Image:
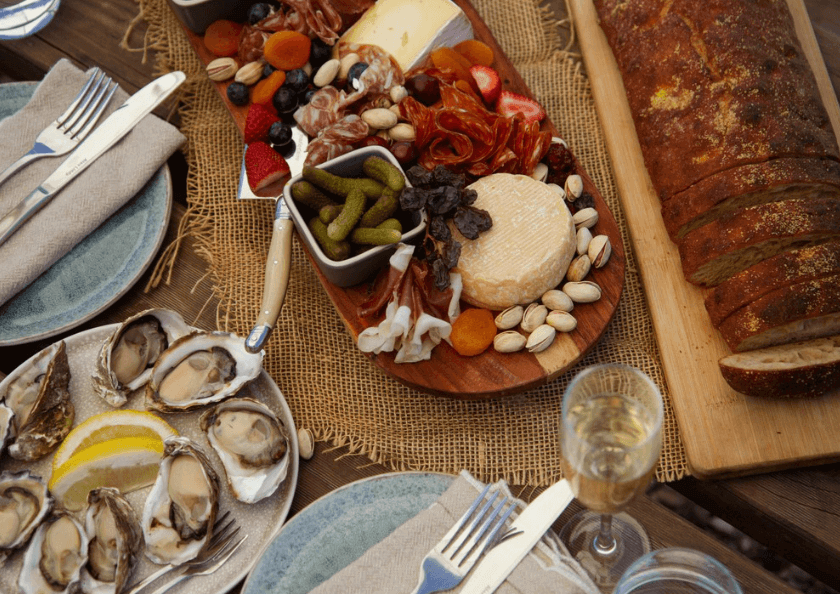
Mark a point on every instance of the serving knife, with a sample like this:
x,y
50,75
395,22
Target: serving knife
x,y
117,125
533,522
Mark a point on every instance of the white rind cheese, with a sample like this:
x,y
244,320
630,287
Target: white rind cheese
x,y
410,29
528,249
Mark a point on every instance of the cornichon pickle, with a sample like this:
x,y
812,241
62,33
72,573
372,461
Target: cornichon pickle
x,y
354,206
368,236
328,213
390,224
342,186
383,208
384,171
306,193
335,250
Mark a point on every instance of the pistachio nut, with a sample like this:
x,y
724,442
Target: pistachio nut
x,y
398,93
558,140
221,69
306,443
345,64
560,191
584,236
541,338
533,316
585,217
402,132
379,118
249,74
582,291
540,172
557,300
509,341
599,250
326,73
574,187
510,317
562,321
579,268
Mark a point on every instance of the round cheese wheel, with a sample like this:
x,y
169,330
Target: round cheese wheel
x,y
528,249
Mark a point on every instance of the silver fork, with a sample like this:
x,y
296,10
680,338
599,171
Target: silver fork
x,y
71,127
222,535
206,568
446,565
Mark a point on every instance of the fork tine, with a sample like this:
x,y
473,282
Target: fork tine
x,y
214,547
486,541
94,111
82,108
72,107
456,530
473,526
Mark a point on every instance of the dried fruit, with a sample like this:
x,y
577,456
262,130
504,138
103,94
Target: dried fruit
x,y
448,58
473,331
475,51
222,37
258,121
510,103
265,89
287,50
264,165
488,82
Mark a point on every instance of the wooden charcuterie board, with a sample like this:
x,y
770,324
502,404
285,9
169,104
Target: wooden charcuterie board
x,y
724,433
490,374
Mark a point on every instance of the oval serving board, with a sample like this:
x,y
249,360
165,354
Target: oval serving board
x,y
489,374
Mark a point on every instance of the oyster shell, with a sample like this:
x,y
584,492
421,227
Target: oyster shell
x,y
200,369
54,559
6,415
252,445
127,357
114,541
181,508
24,503
39,397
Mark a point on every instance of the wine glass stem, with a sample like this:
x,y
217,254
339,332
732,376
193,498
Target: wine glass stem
x,y
604,543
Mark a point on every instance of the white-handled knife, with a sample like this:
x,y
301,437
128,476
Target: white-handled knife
x,y
533,522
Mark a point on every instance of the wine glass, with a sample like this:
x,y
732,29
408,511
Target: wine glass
x,y
677,571
611,437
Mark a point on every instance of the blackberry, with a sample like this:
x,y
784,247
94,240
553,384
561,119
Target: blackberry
x,y
238,93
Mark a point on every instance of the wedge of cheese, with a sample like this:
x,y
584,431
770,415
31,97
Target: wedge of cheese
x,y
410,29
528,249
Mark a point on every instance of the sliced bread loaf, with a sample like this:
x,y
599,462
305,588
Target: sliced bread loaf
x,y
800,369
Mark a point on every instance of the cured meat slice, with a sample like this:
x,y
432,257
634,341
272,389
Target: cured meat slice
x,y
336,140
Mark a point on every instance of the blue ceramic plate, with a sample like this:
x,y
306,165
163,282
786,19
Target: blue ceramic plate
x,y
331,533
99,270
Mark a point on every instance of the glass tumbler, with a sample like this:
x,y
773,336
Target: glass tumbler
x,y
677,571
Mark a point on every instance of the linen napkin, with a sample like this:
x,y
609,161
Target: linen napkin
x,y
393,565
87,201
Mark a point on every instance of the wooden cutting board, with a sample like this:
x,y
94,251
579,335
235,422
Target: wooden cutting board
x,y
725,433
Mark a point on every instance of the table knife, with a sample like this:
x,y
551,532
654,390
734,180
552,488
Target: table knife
x,y
117,125
533,522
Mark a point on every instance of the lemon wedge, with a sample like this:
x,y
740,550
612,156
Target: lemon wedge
x,y
116,424
126,463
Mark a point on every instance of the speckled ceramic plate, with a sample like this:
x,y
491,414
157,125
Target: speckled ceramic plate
x,y
260,521
99,270
337,529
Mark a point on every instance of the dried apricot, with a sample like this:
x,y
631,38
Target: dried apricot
x,y
222,37
467,88
446,57
475,51
287,50
264,90
473,331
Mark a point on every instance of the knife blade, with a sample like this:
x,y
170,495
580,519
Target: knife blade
x,y
117,125
534,520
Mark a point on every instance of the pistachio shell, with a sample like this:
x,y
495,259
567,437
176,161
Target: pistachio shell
x,y
540,172
560,191
579,268
583,291
557,300
562,321
221,69
584,236
249,74
533,316
510,317
574,187
509,341
306,444
585,217
541,338
398,93
402,132
599,250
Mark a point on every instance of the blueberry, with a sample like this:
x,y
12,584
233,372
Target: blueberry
x,y
238,93
319,53
297,80
258,12
268,69
285,100
286,150
354,73
307,95
280,133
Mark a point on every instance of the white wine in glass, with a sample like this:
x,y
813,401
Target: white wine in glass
x,y
611,437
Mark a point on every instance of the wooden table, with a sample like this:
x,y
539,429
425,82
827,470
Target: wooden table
x,y
796,513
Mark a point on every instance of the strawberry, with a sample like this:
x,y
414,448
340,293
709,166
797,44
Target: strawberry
x,y
511,103
264,165
488,82
257,122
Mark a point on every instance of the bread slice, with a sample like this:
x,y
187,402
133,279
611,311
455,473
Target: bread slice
x,y
801,311
800,369
740,239
749,185
781,270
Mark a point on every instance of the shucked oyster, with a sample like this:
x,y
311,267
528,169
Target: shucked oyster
x,y
54,559
115,541
38,395
252,445
6,415
200,369
181,508
24,503
126,359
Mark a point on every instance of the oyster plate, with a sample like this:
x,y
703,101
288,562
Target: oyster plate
x,y
260,521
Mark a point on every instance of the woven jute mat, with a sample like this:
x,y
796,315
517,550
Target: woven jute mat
x,y
330,386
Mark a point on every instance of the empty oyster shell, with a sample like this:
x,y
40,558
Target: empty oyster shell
x,y
24,503
114,540
127,357
200,369
54,559
38,395
181,508
6,415
252,445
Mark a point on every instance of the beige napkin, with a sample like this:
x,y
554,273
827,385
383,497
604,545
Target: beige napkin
x,y
83,204
393,565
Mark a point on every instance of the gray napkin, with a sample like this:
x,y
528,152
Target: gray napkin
x,y
393,565
83,204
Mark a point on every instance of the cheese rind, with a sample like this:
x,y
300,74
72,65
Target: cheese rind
x,y
410,29
528,249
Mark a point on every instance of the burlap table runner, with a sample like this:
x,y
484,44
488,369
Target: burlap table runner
x,y
330,386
